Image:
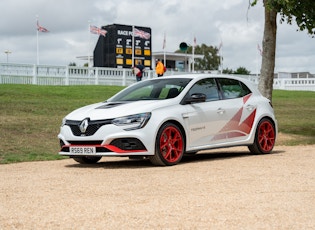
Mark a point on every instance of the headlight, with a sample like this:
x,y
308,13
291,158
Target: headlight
x,y
136,121
63,121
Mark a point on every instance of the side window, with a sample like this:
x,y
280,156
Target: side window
x,y
207,87
233,88
245,90
170,91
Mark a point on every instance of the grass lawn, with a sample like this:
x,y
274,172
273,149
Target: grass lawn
x,y
295,114
31,116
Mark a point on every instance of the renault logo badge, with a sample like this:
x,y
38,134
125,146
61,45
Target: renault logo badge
x,y
84,125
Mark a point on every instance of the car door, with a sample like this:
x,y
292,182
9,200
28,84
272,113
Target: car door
x,y
236,110
203,120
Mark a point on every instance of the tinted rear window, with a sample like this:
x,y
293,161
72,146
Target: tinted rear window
x,y
232,88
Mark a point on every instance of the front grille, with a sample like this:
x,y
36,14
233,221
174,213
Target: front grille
x,y
92,127
86,142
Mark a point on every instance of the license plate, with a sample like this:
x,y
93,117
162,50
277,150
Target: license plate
x,y
83,150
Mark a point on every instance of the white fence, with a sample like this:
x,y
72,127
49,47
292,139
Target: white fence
x,y
64,75
303,84
72,75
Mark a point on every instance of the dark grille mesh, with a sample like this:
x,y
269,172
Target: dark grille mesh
x,y
128,144
86,142
91,129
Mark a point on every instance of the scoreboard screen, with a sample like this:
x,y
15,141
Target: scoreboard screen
x,y
122,45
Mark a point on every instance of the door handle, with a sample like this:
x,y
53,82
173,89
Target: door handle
x,y
250,107
189,114
220,111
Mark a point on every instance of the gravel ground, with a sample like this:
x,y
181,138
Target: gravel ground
x,y
218,189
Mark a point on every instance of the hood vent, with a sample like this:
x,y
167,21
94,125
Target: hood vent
x,y
109,105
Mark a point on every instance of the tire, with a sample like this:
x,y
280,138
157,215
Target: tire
x,y
87,160
169,145
265,137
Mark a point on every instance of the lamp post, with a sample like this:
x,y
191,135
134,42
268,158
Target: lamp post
x,y
7,52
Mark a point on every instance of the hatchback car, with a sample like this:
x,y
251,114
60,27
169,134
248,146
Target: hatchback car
x,y
164,118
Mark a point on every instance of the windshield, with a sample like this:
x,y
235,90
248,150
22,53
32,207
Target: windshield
x,y
155,89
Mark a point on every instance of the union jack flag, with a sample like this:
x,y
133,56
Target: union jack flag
x,y
141,34
96,30
41,29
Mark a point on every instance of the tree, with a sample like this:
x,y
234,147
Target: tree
x,y
303,11
242,70
227,71
211,60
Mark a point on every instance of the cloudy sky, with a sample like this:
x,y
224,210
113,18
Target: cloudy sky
x,y
240,29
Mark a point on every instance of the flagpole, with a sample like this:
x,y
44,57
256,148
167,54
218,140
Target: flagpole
x,y
164,58
89,45
37,46
193,55
164,46
221,56
133,43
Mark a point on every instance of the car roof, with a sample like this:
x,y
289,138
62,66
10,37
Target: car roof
x,y
203,75
198,76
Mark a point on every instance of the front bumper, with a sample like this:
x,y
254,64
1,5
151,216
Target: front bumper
x,y
109,140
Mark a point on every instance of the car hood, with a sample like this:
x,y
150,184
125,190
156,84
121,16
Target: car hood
x,y
109,110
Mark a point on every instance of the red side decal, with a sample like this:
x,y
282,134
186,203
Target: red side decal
x,y
234,128
247,124
245,99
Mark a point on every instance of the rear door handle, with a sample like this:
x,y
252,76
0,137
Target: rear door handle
x,y
250,107
220,111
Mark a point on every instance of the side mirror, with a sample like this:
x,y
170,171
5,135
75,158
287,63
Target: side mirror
x,y
195,98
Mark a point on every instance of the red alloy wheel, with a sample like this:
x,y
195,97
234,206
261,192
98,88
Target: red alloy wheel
x,y
266,136
171,144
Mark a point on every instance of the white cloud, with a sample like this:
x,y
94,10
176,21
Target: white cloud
x,y
211,21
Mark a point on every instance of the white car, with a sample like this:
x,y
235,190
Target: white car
x,y
164,118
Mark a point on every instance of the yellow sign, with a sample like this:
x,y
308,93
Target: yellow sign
x,y
147,62
147,52
128,61
128,51
119,50
119,61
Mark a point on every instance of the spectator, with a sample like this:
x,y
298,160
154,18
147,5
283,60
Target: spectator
x,y
138,71
159,69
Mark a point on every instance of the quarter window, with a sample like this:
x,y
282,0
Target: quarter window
x,y
232,88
